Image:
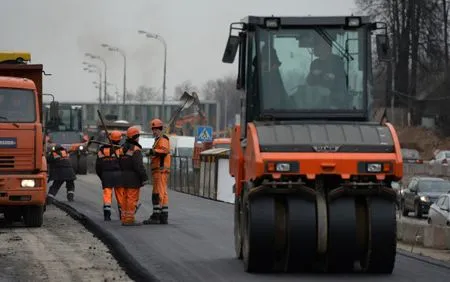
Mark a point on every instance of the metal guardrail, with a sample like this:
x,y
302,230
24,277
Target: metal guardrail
x,y
201,182
437,170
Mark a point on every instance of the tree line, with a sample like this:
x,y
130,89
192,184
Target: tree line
x,y
418,76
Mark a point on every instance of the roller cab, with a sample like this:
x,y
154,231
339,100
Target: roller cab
x,y
312,165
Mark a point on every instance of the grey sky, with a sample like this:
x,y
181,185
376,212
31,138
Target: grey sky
x,y
59,32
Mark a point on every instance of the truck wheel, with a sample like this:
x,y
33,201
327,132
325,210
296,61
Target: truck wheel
x,y
82,165
74,162
12,215
34,216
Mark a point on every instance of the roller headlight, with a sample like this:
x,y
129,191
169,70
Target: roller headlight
x,y
28,183
374,167
282,167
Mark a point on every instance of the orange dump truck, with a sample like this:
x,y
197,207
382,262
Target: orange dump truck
x,y
23,168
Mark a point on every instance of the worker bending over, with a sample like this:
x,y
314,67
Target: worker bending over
x,y
107,167
133,176
160,166
60,171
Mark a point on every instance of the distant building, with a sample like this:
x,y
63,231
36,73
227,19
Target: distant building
x,y
141,114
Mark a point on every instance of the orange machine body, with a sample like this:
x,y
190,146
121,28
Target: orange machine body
x,y
250,164
23,167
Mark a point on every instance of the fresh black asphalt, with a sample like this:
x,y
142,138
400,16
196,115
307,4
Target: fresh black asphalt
x,y
197,244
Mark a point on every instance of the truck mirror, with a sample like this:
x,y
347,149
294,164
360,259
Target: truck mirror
x,y
382,47
231,49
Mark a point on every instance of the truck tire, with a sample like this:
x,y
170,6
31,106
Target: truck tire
x,y
33,216
12,215
74,162
82,165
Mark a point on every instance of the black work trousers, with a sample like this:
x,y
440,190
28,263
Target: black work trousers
x,y
56,185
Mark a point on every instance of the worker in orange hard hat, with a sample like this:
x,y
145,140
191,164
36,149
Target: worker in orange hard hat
x,y
133,176
160,166
107,167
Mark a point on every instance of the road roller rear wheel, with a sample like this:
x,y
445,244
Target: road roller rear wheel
x,y
382,237
301,234
258,246
342,239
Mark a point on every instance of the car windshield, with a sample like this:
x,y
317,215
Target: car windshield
x,y
410,154
311,69
17,105
434,186
60,137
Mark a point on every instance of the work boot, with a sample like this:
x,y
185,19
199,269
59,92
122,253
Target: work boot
x,y
153,219
70,197
164,218
107,215
133,223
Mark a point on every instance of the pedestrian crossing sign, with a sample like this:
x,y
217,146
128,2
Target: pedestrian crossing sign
x,y
204,133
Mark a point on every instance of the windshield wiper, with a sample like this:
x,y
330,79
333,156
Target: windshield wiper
x,y
326,36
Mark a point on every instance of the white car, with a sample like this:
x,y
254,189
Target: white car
x,y
442,158
439,213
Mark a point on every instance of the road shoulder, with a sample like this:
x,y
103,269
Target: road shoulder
x,y
61,250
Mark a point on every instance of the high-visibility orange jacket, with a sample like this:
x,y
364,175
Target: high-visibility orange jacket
x,y
161,154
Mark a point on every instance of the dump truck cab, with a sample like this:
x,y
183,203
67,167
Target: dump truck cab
x,y
23,168
63,125
311,166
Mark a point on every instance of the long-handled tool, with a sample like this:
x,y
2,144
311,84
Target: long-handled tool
x,y
188,100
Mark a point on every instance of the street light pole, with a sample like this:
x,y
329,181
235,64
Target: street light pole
x,y
105,74
121,52
161,39
98,70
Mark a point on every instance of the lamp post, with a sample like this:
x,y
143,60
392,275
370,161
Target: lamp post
x,y
97,70
92,56
121,52
161,39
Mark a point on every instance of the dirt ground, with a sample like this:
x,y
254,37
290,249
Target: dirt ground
x,y
426,141
61,250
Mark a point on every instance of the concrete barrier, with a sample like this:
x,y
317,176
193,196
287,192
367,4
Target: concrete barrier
x,y
429,236
437,237
436,170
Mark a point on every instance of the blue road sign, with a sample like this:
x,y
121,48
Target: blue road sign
x,y
204,133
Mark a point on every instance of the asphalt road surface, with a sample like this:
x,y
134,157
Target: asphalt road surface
x,y
197,245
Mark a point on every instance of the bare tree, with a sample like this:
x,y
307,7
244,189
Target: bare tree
x,y
182,87
145,94
224,91
418,29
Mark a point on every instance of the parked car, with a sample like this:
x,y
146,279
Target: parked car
x,y
411,156
421,193
440,211
442,157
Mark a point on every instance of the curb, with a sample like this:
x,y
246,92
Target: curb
x,y
132,267
425,259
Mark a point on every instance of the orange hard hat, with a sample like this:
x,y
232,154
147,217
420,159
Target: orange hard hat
x,y
132,132
156,123
115,135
